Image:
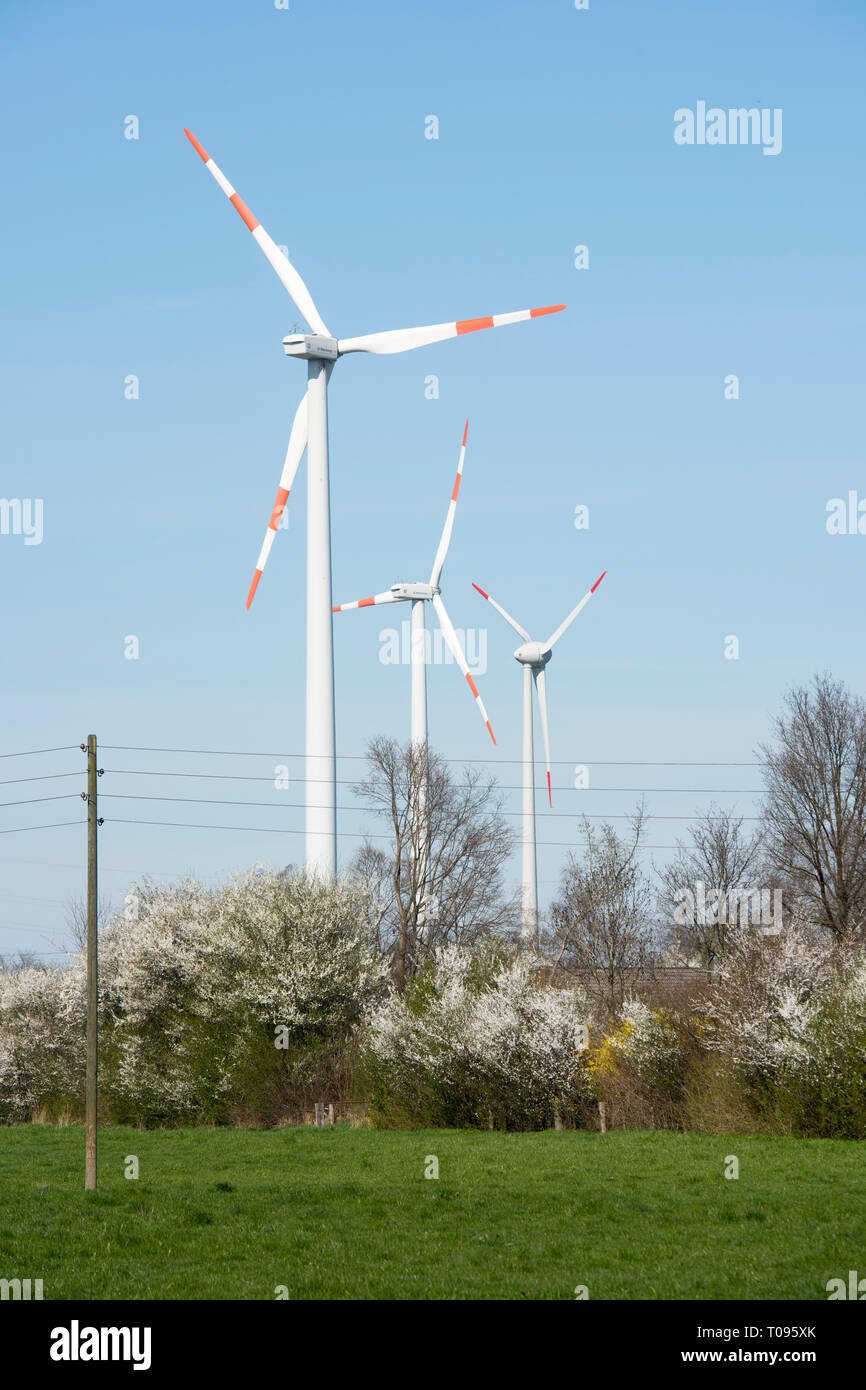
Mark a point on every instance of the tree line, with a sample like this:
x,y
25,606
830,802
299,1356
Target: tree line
x,y
613,915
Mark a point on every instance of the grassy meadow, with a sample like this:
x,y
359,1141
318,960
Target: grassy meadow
x,y
347,1213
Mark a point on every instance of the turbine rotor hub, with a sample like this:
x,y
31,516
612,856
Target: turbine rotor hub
x,y
532,654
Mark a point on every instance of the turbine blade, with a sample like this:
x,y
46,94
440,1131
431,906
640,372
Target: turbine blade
x,y
541,691
456,650
574,612
289,277
294,454
387,597
404,339
445,539
507,616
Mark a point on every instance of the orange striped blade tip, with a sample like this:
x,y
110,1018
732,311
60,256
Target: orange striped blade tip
x,y
549,791
481,591
490,731
489,320
255,584
598,581
465,433
199,149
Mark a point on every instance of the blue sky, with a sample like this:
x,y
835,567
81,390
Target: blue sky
x,y
555,129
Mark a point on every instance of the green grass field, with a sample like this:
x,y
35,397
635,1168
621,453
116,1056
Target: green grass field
x,y
347,1213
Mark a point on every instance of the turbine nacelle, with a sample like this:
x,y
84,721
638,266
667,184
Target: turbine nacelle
x,y
415,591
312,346
533,654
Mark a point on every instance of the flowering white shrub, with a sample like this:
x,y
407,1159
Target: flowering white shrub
x,y
836,1036
196,987
790,1011
296,952
42,1040
481,1045
769,993
151,962
150,974
193,988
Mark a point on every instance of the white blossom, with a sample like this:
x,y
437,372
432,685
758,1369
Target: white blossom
x,y
769,995
511,1034
42,1038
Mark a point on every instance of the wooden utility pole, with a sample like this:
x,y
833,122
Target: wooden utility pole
x,y
90,1101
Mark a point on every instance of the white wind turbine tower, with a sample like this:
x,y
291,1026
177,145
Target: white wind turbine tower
x,y
533,657
310,431
419,594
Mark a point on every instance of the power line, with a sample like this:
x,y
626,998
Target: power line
x,y
24,926
17,829
42,954
31,752
351,834
362,757
350,782
60,864
26,898
299,806
36,800
48,777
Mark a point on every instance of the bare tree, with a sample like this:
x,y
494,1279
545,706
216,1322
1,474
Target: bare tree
x,y
76,919
815,804
373,867
22,960
602,922
719,859
462,838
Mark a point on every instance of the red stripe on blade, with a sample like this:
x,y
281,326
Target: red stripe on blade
x,y
472,686
551,309
490,731
549,792
456,488
481,591
255,584
279,507
598,581
199,149
366,602
240,206
465,433
472,325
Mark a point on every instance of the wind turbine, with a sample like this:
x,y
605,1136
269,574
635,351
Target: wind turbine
x,y
419,594
533,657
310,430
